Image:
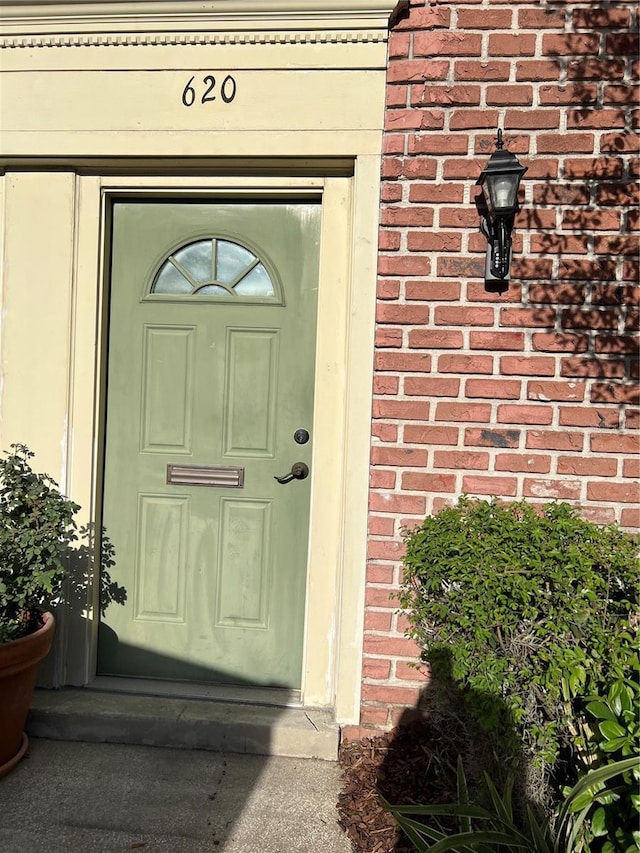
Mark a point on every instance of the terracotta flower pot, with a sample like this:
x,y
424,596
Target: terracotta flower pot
x,y
19,660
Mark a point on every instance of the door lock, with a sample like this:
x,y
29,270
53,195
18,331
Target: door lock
x,y
301,436
299,471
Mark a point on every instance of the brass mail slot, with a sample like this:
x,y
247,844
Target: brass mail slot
x,y
227,477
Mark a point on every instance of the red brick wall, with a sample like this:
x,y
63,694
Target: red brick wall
x,y
532,393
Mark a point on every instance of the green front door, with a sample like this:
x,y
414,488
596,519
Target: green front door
x,y
209,399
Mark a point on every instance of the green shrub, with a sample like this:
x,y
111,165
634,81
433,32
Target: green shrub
x,y
531,607
36,529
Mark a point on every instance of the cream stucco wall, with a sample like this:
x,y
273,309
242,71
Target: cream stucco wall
x,y
91,106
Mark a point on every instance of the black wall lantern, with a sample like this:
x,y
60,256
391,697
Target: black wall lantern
x,y
499,182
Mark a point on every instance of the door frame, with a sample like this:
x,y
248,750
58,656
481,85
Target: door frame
x,y
334,613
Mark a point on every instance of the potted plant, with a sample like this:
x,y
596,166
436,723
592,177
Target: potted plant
x,y
36,529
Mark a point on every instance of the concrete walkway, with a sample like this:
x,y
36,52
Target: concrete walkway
x,y
112,798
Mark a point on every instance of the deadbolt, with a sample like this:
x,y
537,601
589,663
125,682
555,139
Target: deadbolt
x,y
301,436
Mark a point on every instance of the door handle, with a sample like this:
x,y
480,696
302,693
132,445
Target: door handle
x,y
299,471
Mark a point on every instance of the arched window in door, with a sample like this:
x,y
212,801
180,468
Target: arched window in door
x,y
216,267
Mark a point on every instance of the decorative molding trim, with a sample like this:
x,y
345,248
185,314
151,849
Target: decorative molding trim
x,y
148,23
260,8
194,38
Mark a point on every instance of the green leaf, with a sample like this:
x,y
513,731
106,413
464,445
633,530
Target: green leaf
x,y
598,822
576,679
463,795
601,711
449,810
611,729
582,800
465,841
626,698
614,744
502,807
615,698
418,839
538,834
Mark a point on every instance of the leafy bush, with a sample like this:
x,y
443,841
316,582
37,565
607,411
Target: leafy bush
x,y
612,819
36,528
531,607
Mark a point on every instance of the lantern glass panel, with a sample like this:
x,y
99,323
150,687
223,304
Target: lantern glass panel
x,y
501,192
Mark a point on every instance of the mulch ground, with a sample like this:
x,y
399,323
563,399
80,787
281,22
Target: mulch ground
x,y
406,765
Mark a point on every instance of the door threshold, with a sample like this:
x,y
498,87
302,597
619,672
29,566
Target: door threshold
x,y
275,697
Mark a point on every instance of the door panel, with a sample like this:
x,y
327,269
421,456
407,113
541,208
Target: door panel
x,y
202,374
162,535
167,389
251,392
245,549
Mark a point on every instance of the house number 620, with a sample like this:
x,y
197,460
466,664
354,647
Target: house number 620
x,y
208,90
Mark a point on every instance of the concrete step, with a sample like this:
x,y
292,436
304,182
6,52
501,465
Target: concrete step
x,y
98,716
